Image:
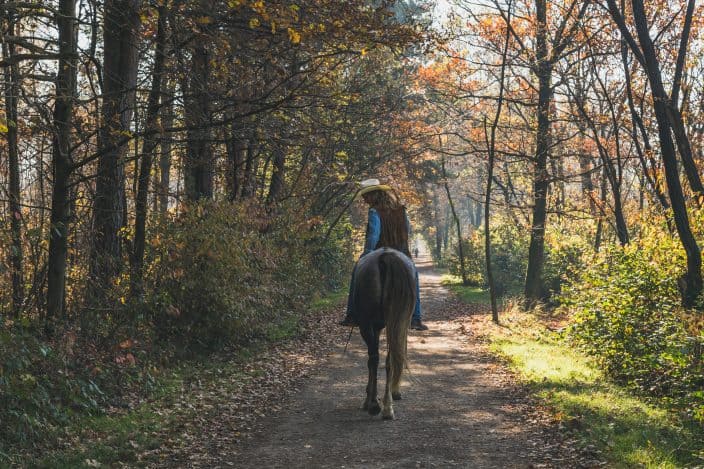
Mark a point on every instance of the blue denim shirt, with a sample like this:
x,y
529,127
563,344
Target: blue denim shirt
x,y
373,231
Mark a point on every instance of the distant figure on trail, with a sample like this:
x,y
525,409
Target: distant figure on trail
x,y
415,253
387,226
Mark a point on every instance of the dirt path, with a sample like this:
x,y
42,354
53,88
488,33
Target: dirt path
x,y
460,408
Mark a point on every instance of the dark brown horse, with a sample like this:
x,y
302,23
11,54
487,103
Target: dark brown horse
x,y
384,295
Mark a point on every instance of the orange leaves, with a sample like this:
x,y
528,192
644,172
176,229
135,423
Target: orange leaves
x,y
444,74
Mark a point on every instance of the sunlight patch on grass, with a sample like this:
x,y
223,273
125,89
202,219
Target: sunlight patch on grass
x,y
628,430
538,361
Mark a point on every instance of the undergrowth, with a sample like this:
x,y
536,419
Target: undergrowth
x,y
135,436
217,278
620,427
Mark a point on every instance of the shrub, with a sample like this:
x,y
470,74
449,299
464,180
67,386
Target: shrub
x,y
219,275
626,312
475,266
565,259
509,246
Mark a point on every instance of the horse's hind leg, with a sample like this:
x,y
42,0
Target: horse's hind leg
x,y
388,409
396,391
371,337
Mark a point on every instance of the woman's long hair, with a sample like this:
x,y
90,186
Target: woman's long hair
x,y
394,231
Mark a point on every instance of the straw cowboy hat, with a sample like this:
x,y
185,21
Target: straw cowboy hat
x,y
371,185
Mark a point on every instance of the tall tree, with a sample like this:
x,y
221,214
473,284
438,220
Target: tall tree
x,y
61,161
455,217
664,113
121,24
549,49
12,77
165,142
149,145
490,137
199,164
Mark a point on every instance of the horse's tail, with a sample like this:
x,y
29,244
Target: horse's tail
x,y
397,303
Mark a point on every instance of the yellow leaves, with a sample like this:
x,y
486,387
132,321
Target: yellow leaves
x,y
294,36
233,4
3,127
259,7
254,23
204,20
294,11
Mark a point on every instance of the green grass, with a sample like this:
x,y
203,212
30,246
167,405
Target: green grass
x,y
329,300
468,294
108,439
629,431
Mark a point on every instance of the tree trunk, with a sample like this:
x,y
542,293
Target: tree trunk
x,y
276,186
693,278
121,36
438,226
15,211
167,121
674,113
236,149
600,223
61,162
250,171
199,165
460,248
151,140
534,290
491,154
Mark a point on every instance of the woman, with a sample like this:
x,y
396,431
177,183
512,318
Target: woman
x,y
387,226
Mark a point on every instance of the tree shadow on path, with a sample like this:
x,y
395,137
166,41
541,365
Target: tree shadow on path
x,y
460,408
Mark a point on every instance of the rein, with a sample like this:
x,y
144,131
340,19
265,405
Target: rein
x,y
344,352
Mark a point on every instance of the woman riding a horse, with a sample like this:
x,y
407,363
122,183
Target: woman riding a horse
x,y
384,293
387,226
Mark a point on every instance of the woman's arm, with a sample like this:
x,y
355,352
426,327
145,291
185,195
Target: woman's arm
x,y
373,231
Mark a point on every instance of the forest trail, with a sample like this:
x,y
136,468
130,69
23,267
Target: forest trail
x,y
460,408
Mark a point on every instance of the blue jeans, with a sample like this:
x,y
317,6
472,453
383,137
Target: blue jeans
x,y
416,312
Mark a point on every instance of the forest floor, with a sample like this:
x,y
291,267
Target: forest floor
x,y
461,407
294,402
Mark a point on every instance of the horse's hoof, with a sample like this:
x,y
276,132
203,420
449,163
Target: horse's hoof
x,y
396,396
374,408
389,416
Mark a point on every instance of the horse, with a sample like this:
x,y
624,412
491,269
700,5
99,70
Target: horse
x,y
384,295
